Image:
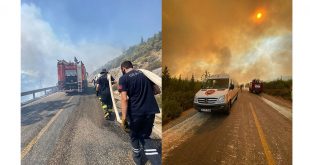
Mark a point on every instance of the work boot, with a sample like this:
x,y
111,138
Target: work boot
x,y
104,107
106,115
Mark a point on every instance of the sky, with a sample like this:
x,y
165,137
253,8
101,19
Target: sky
x,y
93,31
246,39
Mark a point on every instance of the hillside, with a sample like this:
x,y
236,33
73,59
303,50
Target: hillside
x,y
146,55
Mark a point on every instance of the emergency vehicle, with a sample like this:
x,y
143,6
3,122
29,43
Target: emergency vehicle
x,y
256,86
72,76
218,93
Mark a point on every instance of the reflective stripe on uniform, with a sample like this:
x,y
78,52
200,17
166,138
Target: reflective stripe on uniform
x,y
136,150
151,153
104,106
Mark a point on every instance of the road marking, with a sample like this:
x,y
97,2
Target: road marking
x,y
36,138
261,134
281,109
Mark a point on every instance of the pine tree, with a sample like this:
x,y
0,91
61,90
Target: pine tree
x,y
205,75
142,41
166,77
192,82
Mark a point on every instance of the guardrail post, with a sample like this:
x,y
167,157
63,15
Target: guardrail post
x,y
33,92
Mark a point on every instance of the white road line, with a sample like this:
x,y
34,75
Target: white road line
x,y
281,109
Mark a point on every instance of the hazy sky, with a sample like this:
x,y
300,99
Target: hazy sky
x,y
93,31
228,37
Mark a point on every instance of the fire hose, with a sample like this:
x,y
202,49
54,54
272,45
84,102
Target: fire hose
x,y
150,75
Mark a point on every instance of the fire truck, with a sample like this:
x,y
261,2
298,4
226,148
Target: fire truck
x,y
72,76
256,86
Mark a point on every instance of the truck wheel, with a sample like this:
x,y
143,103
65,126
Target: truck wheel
x,y
227,112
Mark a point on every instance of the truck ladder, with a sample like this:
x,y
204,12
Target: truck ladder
x,y
80,89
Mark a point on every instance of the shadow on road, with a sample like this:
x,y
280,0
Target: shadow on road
x,y
87,91
216,119
37,112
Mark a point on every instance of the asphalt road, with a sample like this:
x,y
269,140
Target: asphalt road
x,y
253,133
71,129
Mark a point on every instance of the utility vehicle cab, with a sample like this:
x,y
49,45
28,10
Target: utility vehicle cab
x,y
218,93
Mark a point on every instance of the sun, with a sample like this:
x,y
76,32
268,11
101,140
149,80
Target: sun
x,y
259,15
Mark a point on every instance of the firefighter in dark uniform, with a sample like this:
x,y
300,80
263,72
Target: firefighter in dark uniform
x,y
139,109
105,94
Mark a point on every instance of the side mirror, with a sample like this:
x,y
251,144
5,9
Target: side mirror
x,y
231,86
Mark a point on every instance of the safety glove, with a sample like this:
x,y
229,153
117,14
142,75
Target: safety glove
x,y
125,125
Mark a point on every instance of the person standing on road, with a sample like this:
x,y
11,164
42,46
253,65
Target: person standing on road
x,y
104,88
94,82
140,108
97,86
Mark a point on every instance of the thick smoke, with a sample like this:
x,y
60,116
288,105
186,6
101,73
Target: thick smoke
x,y
225,37
40,49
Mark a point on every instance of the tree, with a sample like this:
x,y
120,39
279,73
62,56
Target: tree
x,y
205,75
192,82
166,77
166,74
142,41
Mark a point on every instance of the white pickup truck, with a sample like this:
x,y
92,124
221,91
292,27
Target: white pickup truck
x,y
218,93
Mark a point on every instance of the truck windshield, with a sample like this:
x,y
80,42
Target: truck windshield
x,y
70,72
216,84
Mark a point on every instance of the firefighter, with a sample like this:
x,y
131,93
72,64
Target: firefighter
x,y
94,82
139,109
105,95
97,86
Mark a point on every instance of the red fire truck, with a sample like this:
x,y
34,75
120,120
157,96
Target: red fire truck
x,y
72,76
256,86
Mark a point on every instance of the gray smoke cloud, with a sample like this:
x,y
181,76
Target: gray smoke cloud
x,y
40,49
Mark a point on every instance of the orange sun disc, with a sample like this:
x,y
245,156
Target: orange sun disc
x,y
259,15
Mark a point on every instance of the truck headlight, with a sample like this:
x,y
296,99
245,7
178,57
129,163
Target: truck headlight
x,y
195,100
221,99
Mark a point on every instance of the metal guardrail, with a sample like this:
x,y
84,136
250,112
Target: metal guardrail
x,y
33,92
